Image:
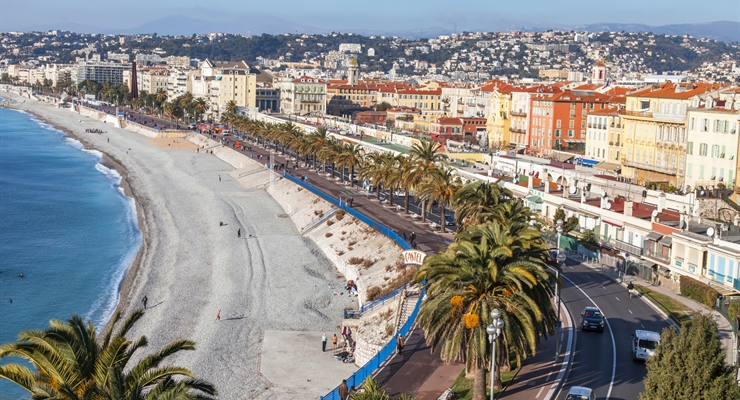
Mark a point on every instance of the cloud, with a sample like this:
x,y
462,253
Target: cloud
x,y
449,17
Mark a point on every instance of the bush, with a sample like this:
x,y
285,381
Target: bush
x,y
698,291
373,293
367,263
330,222
340,214
356,260
328,234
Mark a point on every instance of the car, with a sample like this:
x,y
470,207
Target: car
x,y
450,220
592,319
580,393
191,126
644,344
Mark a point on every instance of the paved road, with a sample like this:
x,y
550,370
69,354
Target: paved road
x,y
603,361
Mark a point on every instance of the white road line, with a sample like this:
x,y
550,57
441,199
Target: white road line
x,y
587,276
548,376
539,392
560,347
602,286
630,311
643,326
616,298
611,333
562,334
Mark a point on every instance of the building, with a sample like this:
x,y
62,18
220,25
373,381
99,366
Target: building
x,y
712,147
302,96
521,98
222,83
498,123
152,80
99,71
371,117
655,131
604,135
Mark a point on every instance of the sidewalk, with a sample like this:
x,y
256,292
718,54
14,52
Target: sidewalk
x,y
724,327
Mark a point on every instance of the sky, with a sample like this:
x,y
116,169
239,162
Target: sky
x,y
372,14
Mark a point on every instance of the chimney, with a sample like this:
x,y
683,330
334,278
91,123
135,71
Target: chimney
x,y
604,201
661,202
628,208
530,182
547,185
583,196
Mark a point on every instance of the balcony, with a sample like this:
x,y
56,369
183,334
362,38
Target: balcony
x,y
642,114
518,130
650,167
628,248
655,256
670,117
518,114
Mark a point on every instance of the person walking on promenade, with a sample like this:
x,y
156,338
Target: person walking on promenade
x,y
219,178
323,343
334,343
403,236
218,316
413,237
239,233
145,300
399,343
343,390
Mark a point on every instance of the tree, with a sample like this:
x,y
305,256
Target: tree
x,y
373,390
425,156
474,202
568,223
690,364
494,265
72,363
383,106
441,185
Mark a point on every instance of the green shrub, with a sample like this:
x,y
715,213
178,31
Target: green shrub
x,y
698,291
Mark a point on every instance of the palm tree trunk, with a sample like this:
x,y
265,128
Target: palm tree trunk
x,y
377,191
406,202
442,217
390,196
424,210
479,384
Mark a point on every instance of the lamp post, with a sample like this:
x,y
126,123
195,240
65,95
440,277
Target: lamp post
x,y
493,330
560,232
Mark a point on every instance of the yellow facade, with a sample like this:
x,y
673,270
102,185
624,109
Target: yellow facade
x,y
238,86
498,123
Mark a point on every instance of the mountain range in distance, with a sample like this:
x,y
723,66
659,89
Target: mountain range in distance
x,y
177,25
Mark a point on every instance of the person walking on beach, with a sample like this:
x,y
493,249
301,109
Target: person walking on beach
x,y
323,343
399,343
145,300
334,343
219,178
218,316
343,390
239,233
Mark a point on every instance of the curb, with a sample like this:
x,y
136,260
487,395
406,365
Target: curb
x,y
568,357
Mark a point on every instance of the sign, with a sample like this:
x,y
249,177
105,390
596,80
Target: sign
x,y
413,257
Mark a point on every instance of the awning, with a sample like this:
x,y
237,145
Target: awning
x,y
586,162
666,241
617,224
562,157
606,166
654,236
574,141
535,199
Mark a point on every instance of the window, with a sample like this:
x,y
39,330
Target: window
x,y
557,132
557,124
571,133
688,170
701,171
703,149
583,123
690,148
583,114
572,113
644,105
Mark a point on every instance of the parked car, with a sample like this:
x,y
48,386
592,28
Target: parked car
x,y
644,344
450,220
592,319
580,393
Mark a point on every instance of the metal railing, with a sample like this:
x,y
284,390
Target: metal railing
x,y
377,302
629,248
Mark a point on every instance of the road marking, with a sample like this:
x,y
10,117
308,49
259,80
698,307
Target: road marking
x,y
562,334
539,392
560,347
587,276
602,286
630,311
616,298
611,333
548,376
643,326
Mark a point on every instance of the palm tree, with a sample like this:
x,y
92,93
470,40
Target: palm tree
x,y
474,202
72,364
231,107
351,157
494,266
317,139
441,184
425,156
373,390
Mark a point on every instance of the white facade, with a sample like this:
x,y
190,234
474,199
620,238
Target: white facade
x,y
711,148
597,137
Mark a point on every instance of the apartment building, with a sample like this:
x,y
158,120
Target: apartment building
x,y
604,135
498,123
711,147
302,96
99,71
223,82
520,113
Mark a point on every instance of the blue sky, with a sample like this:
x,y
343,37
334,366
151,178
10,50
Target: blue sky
x,y
369,14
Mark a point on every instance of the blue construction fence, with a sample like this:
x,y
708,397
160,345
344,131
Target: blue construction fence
x,y
371,366
351,211
359,376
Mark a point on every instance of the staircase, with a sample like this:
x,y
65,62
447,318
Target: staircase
x,y
406,307
731,203
319,220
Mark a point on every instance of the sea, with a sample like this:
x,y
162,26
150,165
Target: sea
x,y
67,232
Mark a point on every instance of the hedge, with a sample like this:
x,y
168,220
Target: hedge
x,y
699,291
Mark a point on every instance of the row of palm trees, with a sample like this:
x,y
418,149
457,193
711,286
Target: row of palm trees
x,y
72,363
498,259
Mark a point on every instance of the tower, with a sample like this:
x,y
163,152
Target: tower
x,y
134,82
599,73
353,72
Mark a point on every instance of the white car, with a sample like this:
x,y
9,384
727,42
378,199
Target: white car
x,y
580,393
644,344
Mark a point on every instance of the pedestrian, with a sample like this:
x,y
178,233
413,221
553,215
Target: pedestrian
x,y
219,178
351,199
399,343
340,200
334,343
323,343
218,316
404,237
344,333
239,233
413,236
145,300
343,390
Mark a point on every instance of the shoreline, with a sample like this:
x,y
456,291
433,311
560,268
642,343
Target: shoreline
x,y
125,286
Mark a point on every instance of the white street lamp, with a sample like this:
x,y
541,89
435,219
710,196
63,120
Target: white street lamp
x,y
493,330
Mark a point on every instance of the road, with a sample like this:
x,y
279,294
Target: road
x,y
603,361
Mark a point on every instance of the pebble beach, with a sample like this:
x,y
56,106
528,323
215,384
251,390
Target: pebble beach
x,y
190,266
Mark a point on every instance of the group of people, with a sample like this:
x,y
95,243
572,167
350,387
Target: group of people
x,y
343,348
351,288
98,131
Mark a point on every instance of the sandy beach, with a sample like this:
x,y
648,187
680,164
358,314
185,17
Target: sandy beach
x,y
190,267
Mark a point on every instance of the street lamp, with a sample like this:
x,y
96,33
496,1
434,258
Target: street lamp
x,y
560,232
493,330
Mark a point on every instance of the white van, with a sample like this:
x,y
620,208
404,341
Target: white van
x,y
644,344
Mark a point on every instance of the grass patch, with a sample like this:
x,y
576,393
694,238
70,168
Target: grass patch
x,y
673,308
464,386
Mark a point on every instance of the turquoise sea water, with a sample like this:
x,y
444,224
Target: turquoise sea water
x,y
64,224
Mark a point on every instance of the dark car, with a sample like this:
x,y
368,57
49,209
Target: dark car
x,y
592,319
449,220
